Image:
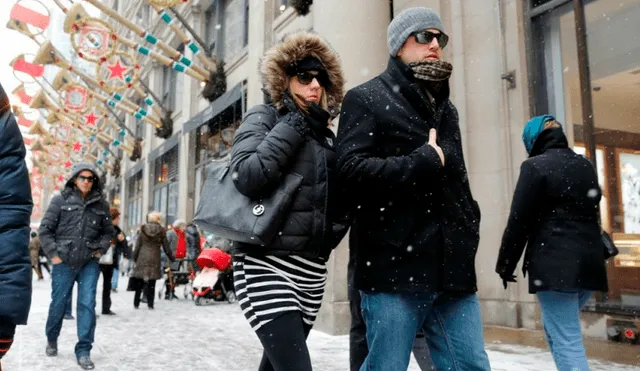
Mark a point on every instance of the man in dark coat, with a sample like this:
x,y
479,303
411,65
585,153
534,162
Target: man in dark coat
x,y
75,231
15,212
416,226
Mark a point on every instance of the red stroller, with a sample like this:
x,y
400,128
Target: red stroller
x,y
214,283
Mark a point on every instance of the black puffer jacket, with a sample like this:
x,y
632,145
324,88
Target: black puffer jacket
x,y
271,143
74,228
554,213
416,225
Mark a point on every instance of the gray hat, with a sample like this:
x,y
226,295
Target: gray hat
x,y
409,21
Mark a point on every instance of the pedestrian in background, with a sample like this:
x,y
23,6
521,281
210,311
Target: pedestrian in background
x,y
75,231
15,213
146,256
34,251
121,249
555,215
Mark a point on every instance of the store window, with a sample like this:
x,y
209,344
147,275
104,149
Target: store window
x,y
134,202
613,59
165,189
213,142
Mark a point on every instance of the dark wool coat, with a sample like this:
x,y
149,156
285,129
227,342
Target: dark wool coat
x,y
269,145
416,225
554,213
73,228
146,255
15,212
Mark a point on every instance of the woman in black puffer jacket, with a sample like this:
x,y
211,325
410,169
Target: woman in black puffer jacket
x,y
280,286
555,214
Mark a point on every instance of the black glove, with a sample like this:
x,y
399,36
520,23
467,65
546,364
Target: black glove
x,y
318,118
294,117
506,279
288,102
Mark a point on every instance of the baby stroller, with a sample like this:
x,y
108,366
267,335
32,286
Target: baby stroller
x,y
178,273
214,283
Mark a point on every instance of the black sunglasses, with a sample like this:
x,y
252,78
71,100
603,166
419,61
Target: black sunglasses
x,y
306,77
426,37
89,179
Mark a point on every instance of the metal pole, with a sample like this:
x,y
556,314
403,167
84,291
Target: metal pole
x,y
193,32
157,100
585,81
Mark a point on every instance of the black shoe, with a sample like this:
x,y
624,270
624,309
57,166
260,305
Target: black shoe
x,y
150,308
86,363
69,316
136,307
109,313
143,300
52,348
114,290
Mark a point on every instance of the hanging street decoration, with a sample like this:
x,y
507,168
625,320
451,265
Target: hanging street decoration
x,y
75,98
32,15
92,38
118,72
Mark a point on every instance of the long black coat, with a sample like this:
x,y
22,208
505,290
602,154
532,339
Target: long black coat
x,y
73,228
15,212
554,213
416,224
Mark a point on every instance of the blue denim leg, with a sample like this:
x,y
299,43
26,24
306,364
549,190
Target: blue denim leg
x,y
68,309
114,279
86,308
561,320
62,277
454,333
392,321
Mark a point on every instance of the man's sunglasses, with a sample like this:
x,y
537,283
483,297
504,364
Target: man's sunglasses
x,y
426,37
89,179
305,78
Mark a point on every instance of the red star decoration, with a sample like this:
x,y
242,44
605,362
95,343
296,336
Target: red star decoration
x,y
77,146
56,188
91,118
61,178
68,164
117,70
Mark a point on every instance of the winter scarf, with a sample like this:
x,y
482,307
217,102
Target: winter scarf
x,y
431,70
532,130
181,248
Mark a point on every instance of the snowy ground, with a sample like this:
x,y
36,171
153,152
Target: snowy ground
x,y
180,336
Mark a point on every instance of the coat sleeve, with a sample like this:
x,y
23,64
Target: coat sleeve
x,y
107,233
358,162
260,155
136,249
15,211
521,218
48,226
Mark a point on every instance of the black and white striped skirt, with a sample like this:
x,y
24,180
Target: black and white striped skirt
x,y
267,286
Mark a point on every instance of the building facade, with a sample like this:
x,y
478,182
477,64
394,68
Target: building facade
x,y
512,59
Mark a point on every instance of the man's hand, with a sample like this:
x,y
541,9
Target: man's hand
x,y
56,260
432,142
97,255
120,237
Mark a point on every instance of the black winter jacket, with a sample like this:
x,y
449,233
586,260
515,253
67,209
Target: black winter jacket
x,y
416,225
15,212
74,228
554,213
267,146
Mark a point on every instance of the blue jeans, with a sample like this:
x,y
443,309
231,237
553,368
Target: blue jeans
x,y
68,309
62,280
561,320
451,323
114,279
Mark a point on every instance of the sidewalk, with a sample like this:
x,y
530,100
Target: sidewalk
x,y
180,336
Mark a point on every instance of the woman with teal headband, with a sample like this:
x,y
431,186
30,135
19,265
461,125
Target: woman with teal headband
x,y
554,213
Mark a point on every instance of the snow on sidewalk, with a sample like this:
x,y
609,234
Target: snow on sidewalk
x,y
177,335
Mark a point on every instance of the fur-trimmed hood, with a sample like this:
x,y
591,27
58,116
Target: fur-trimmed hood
x,y
293,48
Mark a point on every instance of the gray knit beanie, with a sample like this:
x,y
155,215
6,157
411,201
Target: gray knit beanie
x,y
409,21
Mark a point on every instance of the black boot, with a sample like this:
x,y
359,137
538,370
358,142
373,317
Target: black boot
x,y
52,348
86,363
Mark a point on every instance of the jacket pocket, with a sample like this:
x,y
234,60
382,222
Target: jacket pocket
x,y
63,249
394,229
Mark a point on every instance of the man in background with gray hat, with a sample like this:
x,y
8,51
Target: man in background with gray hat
x,y
416,227
75,231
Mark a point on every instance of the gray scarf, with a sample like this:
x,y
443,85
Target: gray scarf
x,y
431,70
